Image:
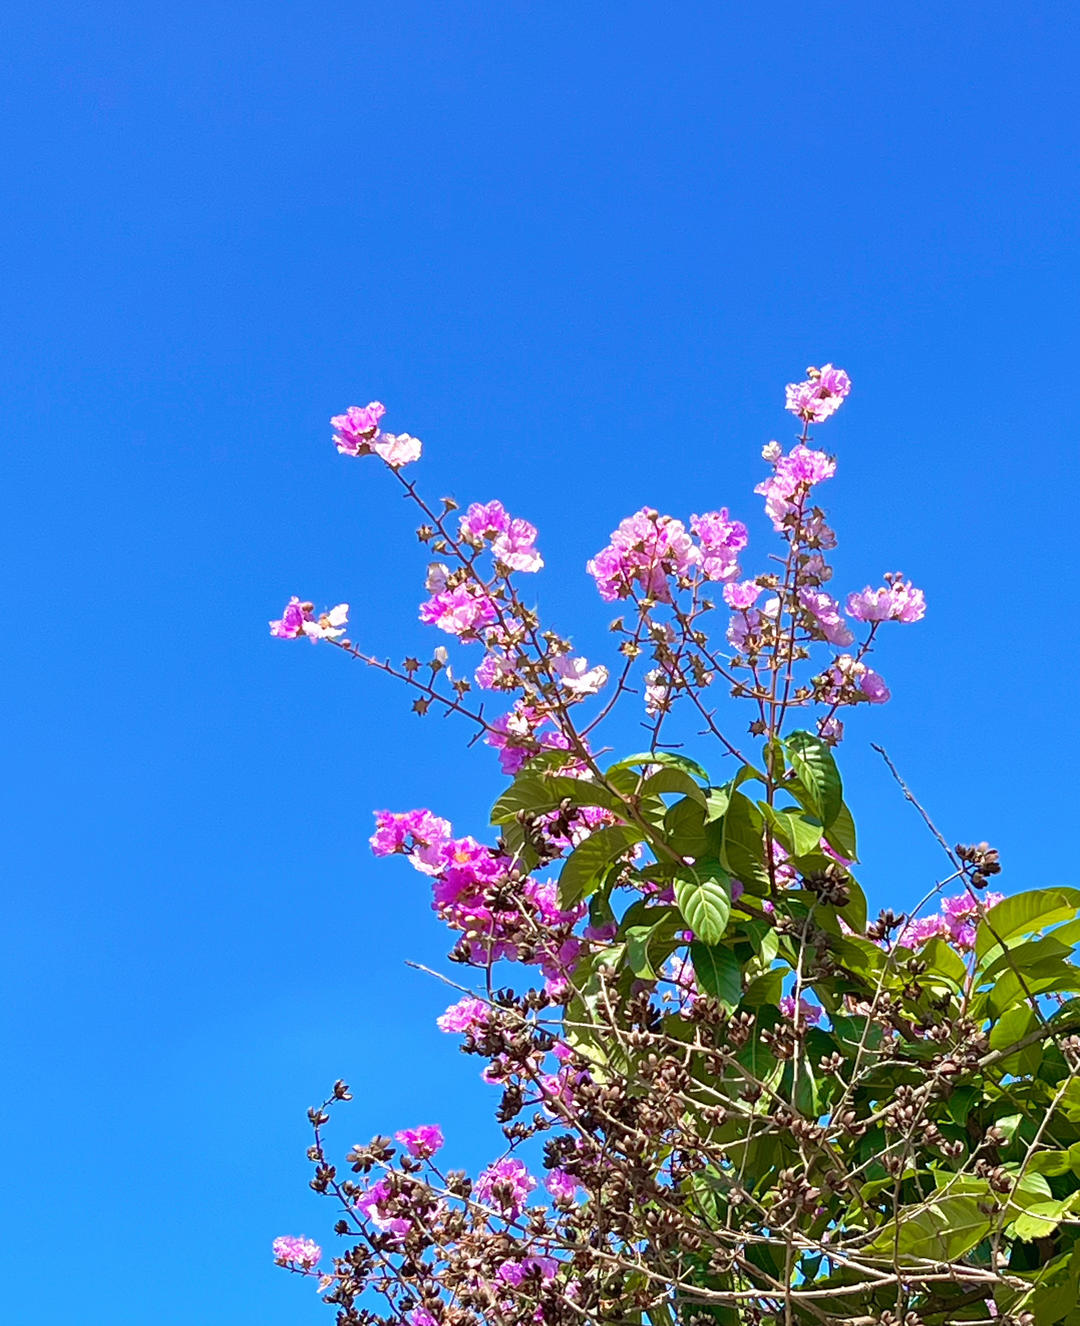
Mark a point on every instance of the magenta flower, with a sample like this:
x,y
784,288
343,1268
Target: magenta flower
x,y
512,540
644,552
807,1012
562,1186
515,1272
421,1142
424,837
897,601
721,540
873,687
820,396
357,428
505,1185
290,1251
788,487
468,1015
299,619
742,594
826,613
459,611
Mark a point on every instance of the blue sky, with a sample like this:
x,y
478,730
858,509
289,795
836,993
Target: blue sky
x,y
578,248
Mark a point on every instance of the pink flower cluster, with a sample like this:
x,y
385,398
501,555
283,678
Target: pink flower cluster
x,y
648,550
897,601
849,680
373,1204
462,611
787,489
468,1016
562,1186
468,892
505,1185
807,1013
520,734
825,612
955,922
289,1250
513,541
357,433
820,395
421,1142
299,619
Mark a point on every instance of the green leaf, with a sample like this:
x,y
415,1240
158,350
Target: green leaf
x,y
539,794
717,971
743,849
684,828
649,944
1042,1218
813,762
703,893
1023,913
799,835
672,780
943,1230
840,835
585,865
665,757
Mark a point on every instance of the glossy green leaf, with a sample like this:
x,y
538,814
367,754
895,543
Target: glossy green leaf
x,y
589,861
813,762
743,846
703,894
717,970
1024,913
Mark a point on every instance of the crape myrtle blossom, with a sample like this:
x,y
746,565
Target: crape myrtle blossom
x,y
743,594
955,922
849,681
807,1013
421,1142
298,619
517,736
505,1185
788,487
289,1250
897,601
825,611
577,677
512,540
648,550
468,1016
820,395
461,611
562,1186
357,433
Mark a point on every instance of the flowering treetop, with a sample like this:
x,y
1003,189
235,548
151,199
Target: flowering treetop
x,y
750,1101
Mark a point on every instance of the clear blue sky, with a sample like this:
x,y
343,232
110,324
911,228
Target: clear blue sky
x,y
577,248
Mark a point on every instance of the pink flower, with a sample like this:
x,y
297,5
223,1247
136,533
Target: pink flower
x,y
468,1016
422,835
820,395
807,1012
421,1142
512,540
421,1317
721,539
505,1185
897,601
459,611
787,488
299,1251
562,1186
644,552
873,687
517,737
742,594
515,1272
373,1204
484,520
397,449
577,677
299,619
826,613
357,428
